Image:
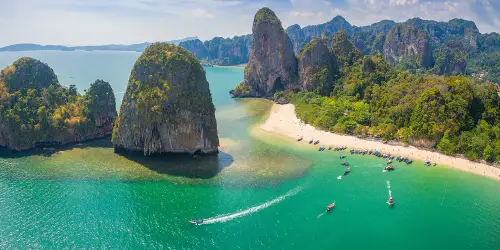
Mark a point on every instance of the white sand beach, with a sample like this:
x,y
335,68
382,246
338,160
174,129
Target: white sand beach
x,y
283,120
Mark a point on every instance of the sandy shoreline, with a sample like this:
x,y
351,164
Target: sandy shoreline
x,y
283,121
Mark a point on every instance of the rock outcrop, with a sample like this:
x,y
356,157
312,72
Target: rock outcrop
x,y
36,111
167,107
297,37
451,59
408,44
344,50
317,68
273,65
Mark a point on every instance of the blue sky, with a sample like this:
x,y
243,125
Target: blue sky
x,y
91,22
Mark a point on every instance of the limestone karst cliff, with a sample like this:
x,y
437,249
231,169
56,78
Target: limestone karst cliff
x,y
167,107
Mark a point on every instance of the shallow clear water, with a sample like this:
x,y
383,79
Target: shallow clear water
x,y
261,192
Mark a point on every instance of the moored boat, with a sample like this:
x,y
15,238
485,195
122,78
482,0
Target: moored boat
x,y
300,139
342,156
322,148
316,142
311,141
389,168
345,163
347,171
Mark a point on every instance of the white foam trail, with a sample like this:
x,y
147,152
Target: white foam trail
x,y
228,217
321,214
340,177
389,187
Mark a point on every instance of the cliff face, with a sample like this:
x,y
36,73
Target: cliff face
x,y
167,107
451,59
441,32
297,37
327,29
273,65
317,68
35,110
221,51
198,49
409,43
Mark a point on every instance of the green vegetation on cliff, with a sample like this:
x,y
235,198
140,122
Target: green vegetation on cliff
x,y
267,15
167,106
35,108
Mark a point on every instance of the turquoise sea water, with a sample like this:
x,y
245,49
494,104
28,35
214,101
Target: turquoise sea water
x,y
260,192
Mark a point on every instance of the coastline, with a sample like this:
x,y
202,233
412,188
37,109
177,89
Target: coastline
x,y
283,121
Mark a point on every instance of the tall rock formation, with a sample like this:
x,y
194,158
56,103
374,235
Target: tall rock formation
x,y
408,44
36,111
273,65
167,107
317,68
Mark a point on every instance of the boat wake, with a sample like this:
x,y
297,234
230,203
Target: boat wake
x,y
228,217
319,215
389,187
340,177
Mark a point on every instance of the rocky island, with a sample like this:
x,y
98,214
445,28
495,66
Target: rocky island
x,y
36,111
167,107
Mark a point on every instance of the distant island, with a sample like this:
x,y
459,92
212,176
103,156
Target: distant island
x,y
111,47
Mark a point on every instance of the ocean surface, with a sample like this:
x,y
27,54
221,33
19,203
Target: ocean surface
x,y
260,192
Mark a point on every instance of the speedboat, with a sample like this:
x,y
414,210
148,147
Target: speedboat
x,y
196,222
389,161
390,201
344,163
330,207
342,156
427,163
316,142
347,171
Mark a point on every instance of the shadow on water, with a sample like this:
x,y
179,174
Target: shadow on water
x,y
185,165
50,149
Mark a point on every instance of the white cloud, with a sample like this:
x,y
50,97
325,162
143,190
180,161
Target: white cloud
x,y
201,13
402,2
